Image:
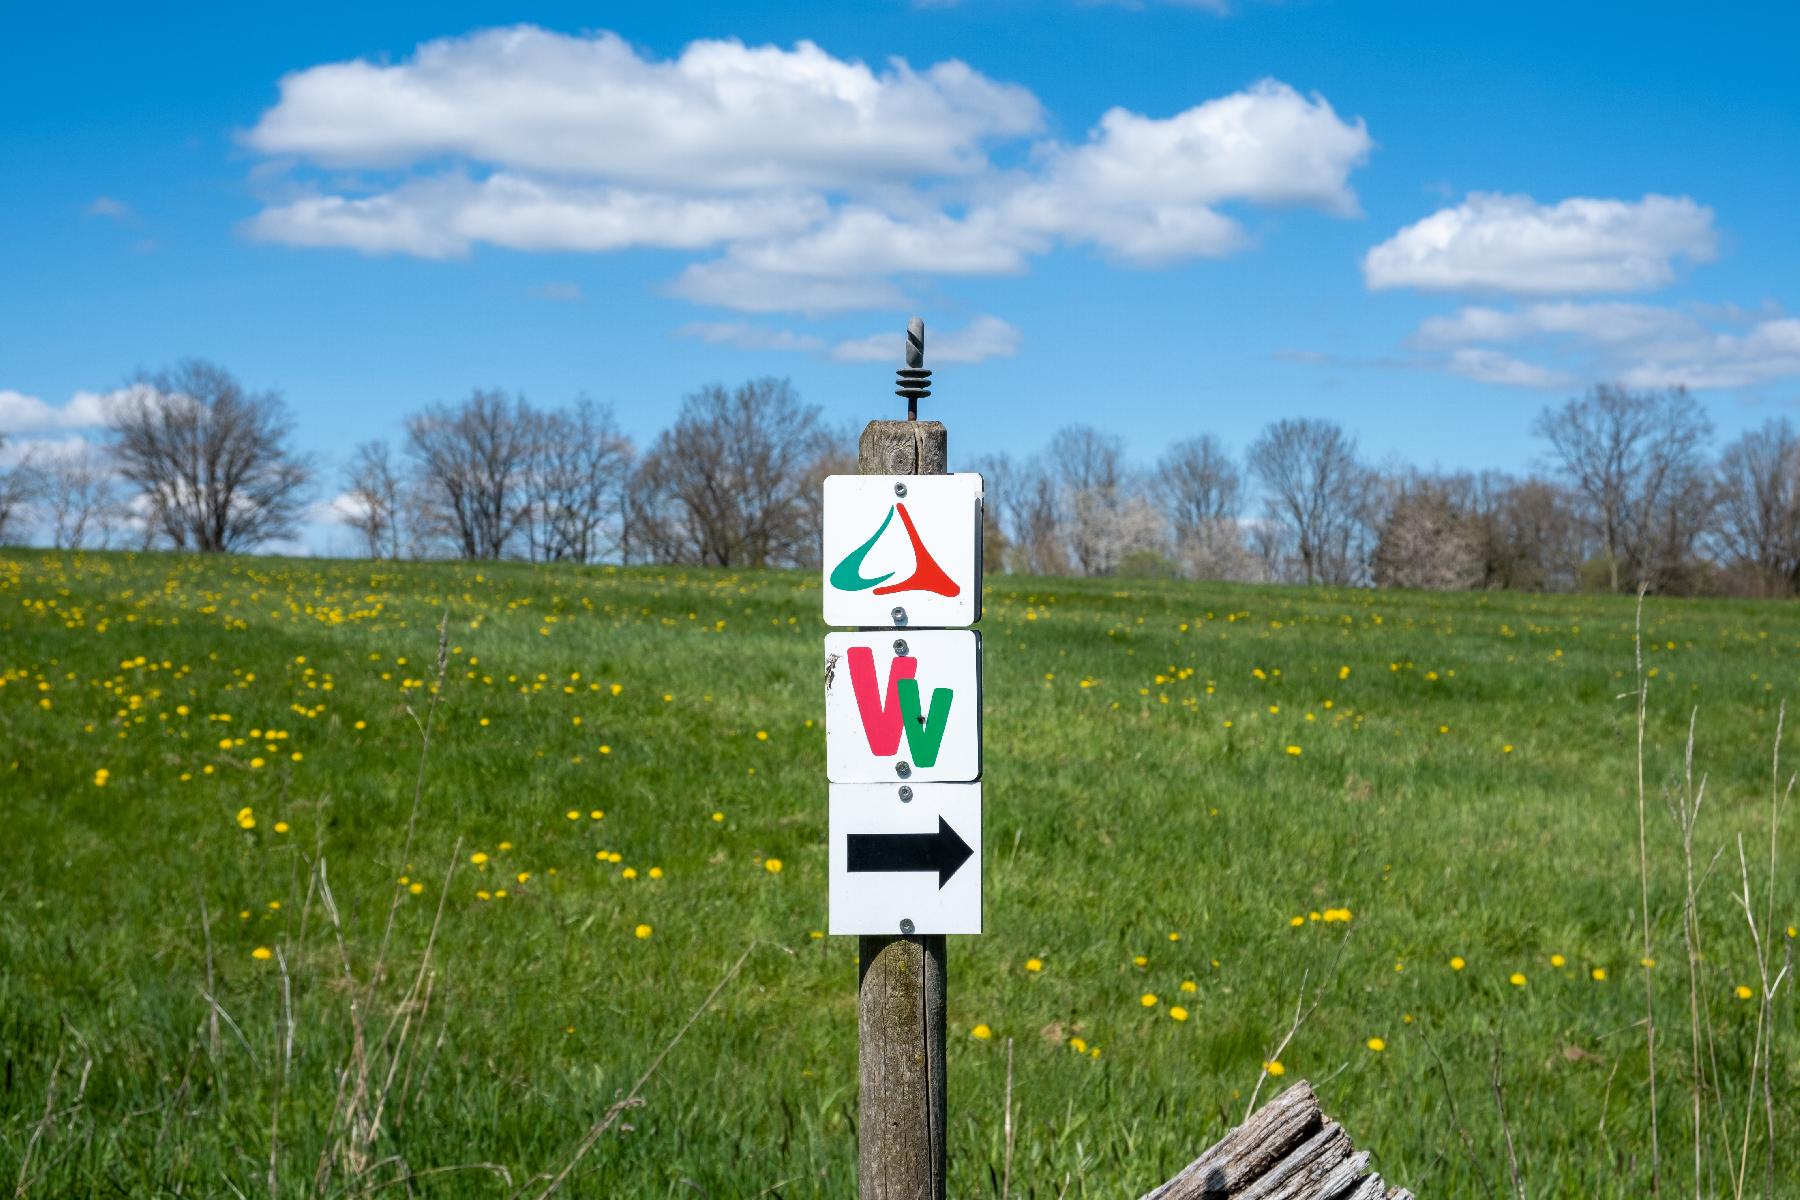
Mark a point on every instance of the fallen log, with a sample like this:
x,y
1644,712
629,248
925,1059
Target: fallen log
x,y
1288,1150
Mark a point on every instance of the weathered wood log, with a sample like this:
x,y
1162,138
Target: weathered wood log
x,y
1288,1150
900,980
903,448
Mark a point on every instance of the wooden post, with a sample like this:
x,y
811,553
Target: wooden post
x,y
900,980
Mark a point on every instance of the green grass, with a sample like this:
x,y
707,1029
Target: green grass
x,y
1159,799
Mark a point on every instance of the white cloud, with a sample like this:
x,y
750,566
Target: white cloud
x,y
816,181
1513,244
721,115
983,338
1495,366
744,336
20,413
106,206
442,217
729,284
1638,345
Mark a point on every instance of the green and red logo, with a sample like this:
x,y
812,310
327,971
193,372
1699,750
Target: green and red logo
x,y
926,575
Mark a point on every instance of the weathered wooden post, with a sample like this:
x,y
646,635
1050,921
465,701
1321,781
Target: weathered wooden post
x,y
904,768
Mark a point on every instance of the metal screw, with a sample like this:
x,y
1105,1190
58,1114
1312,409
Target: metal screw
x,y
900,490
906,925
900,646
899,616
905,794
903,770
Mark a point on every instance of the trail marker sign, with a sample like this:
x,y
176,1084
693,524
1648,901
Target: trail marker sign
x,y
903,706
903,550
905,858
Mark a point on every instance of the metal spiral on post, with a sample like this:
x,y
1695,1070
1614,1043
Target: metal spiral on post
x,y
913,381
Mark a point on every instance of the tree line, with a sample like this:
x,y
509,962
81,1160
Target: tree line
x,y
1630,493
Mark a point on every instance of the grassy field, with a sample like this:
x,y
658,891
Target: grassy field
x,y
223,971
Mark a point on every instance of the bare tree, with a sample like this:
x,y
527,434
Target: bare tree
x,y
579,463
1317,491
472,463
1428,541
837,455
1758,518
729,483
373,491
1202,494
1089,467
1635,459
78,499
212,461
18,486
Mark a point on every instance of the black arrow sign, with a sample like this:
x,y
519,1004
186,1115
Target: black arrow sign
x,y
943,852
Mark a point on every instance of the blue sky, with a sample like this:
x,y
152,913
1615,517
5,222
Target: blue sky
x,y
633,200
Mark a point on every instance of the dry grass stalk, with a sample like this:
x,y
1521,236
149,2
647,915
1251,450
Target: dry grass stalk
x,y
1302,1011
1643,700
632,1099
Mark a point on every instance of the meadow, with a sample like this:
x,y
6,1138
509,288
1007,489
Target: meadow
x,y
283,914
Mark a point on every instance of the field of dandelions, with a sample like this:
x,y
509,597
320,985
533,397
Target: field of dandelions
x,y
348,878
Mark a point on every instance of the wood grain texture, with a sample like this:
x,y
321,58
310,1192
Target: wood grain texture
x,y
1288,1150
903,448
900,980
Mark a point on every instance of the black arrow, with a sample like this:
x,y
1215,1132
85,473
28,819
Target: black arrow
x,y
943,852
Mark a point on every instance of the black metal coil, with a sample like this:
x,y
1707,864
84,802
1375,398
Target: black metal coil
x,y
912,382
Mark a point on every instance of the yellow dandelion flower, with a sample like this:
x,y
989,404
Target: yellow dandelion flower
x,y
256,764
1744,993
1178,1013
656,872
262,954
479,857
1293,751
281,827
1457,963
1174,937
1148,1000
1646,963
415,888
1034,964
1598,974
1296,922
596,815
1275,1068
1140,961
981,1033
1557,960
1376,1044
1078,1045
573,814
1517,979
718,816
642,932
1189,986
762,735
628,873
101,776
772,866
523,876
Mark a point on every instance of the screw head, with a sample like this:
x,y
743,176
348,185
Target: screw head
x,y
900,646
906,925
900,490
903,770
905,794
899,615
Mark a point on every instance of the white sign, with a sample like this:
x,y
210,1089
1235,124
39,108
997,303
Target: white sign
x,y
903,550
903,705
905,858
